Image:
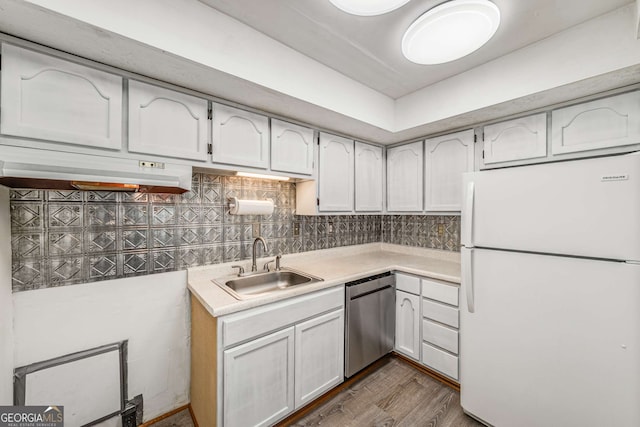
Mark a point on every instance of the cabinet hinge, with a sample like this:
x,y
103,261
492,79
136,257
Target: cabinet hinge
x,y
475,138
210,113
318,201
483,136
482,154
209,148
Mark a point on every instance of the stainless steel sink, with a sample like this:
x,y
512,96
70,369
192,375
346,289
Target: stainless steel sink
x,y
263,283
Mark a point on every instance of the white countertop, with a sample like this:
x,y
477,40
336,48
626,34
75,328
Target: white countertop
x,y
335,266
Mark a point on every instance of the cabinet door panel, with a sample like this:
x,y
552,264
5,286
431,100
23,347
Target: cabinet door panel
x,y
258,380
408,324
167,123
607,122
55,100
518,139
368,177
448,157
239,137
291,148
404,178
335,177
319,356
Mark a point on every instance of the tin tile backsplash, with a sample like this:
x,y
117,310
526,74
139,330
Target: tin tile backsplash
x,y
66,237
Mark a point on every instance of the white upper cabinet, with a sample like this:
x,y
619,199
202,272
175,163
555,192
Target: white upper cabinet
x,y
167,123
603,123
518,139
335,174
239,137
48,98
447,158
404,178
291,148
369,169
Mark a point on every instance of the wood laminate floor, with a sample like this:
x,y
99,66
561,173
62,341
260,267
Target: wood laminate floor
x,y
395,394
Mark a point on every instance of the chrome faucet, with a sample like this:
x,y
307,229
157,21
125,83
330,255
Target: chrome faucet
x,y
254,266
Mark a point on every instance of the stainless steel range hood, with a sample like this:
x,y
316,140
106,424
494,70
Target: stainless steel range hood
x,y
24,167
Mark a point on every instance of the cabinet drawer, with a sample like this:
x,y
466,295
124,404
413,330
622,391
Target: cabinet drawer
x,y
440,360
440,313
440,335
240,327
440,291
408,283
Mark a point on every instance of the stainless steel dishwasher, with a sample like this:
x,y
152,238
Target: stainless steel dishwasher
x,y
369,321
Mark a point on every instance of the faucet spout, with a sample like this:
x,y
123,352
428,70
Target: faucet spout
x,y
254,266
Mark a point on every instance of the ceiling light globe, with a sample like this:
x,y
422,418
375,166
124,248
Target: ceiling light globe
x,y
450,31
368,7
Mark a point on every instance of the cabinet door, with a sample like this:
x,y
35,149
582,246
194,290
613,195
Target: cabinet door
x,y
319,356
291,148
404,178
408,324
448,157
368,177
335,174
607,122
167,123
518,139
258,380
55,100
239,137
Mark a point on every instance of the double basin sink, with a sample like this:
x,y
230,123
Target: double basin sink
x,y
259,284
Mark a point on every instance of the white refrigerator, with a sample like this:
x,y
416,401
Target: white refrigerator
x,y
550,295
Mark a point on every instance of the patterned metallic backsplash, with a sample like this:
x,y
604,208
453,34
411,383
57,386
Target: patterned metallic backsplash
x,y
67,237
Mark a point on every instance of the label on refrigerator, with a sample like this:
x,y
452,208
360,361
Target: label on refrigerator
x,y
618,177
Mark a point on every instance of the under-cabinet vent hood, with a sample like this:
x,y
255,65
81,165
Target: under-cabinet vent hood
x,y
23,167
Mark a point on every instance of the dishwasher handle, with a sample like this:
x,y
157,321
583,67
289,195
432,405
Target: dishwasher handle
x,y
373,291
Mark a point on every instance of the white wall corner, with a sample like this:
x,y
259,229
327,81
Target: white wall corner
x,y
6,302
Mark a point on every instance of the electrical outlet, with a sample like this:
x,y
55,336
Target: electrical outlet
x,y
440,229
256,229
330,228
296,229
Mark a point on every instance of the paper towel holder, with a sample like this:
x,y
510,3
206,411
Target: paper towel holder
x,y
250,207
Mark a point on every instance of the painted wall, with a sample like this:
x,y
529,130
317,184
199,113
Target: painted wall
x,y
152,312
596,47
6,306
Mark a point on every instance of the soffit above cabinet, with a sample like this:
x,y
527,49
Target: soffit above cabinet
x,y
257,71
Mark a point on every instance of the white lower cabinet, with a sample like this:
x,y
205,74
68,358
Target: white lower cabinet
x,y
255,367
258,380
408,324
319,356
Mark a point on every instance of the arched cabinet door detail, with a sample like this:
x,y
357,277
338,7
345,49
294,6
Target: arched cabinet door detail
x,y
167,123
404,177
335,176
519,139
603,123
239,137
55,100
291,148
369,179
408,324
447,158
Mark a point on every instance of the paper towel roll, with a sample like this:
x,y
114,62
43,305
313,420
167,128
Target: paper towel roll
x,y
250,207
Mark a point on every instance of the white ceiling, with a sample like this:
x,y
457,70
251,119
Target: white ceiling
x,y
367,49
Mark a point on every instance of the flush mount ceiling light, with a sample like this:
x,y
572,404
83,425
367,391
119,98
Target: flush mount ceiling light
x,y
368,7
450,31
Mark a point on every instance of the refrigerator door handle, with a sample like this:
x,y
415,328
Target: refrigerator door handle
x,y
467,262
467,217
